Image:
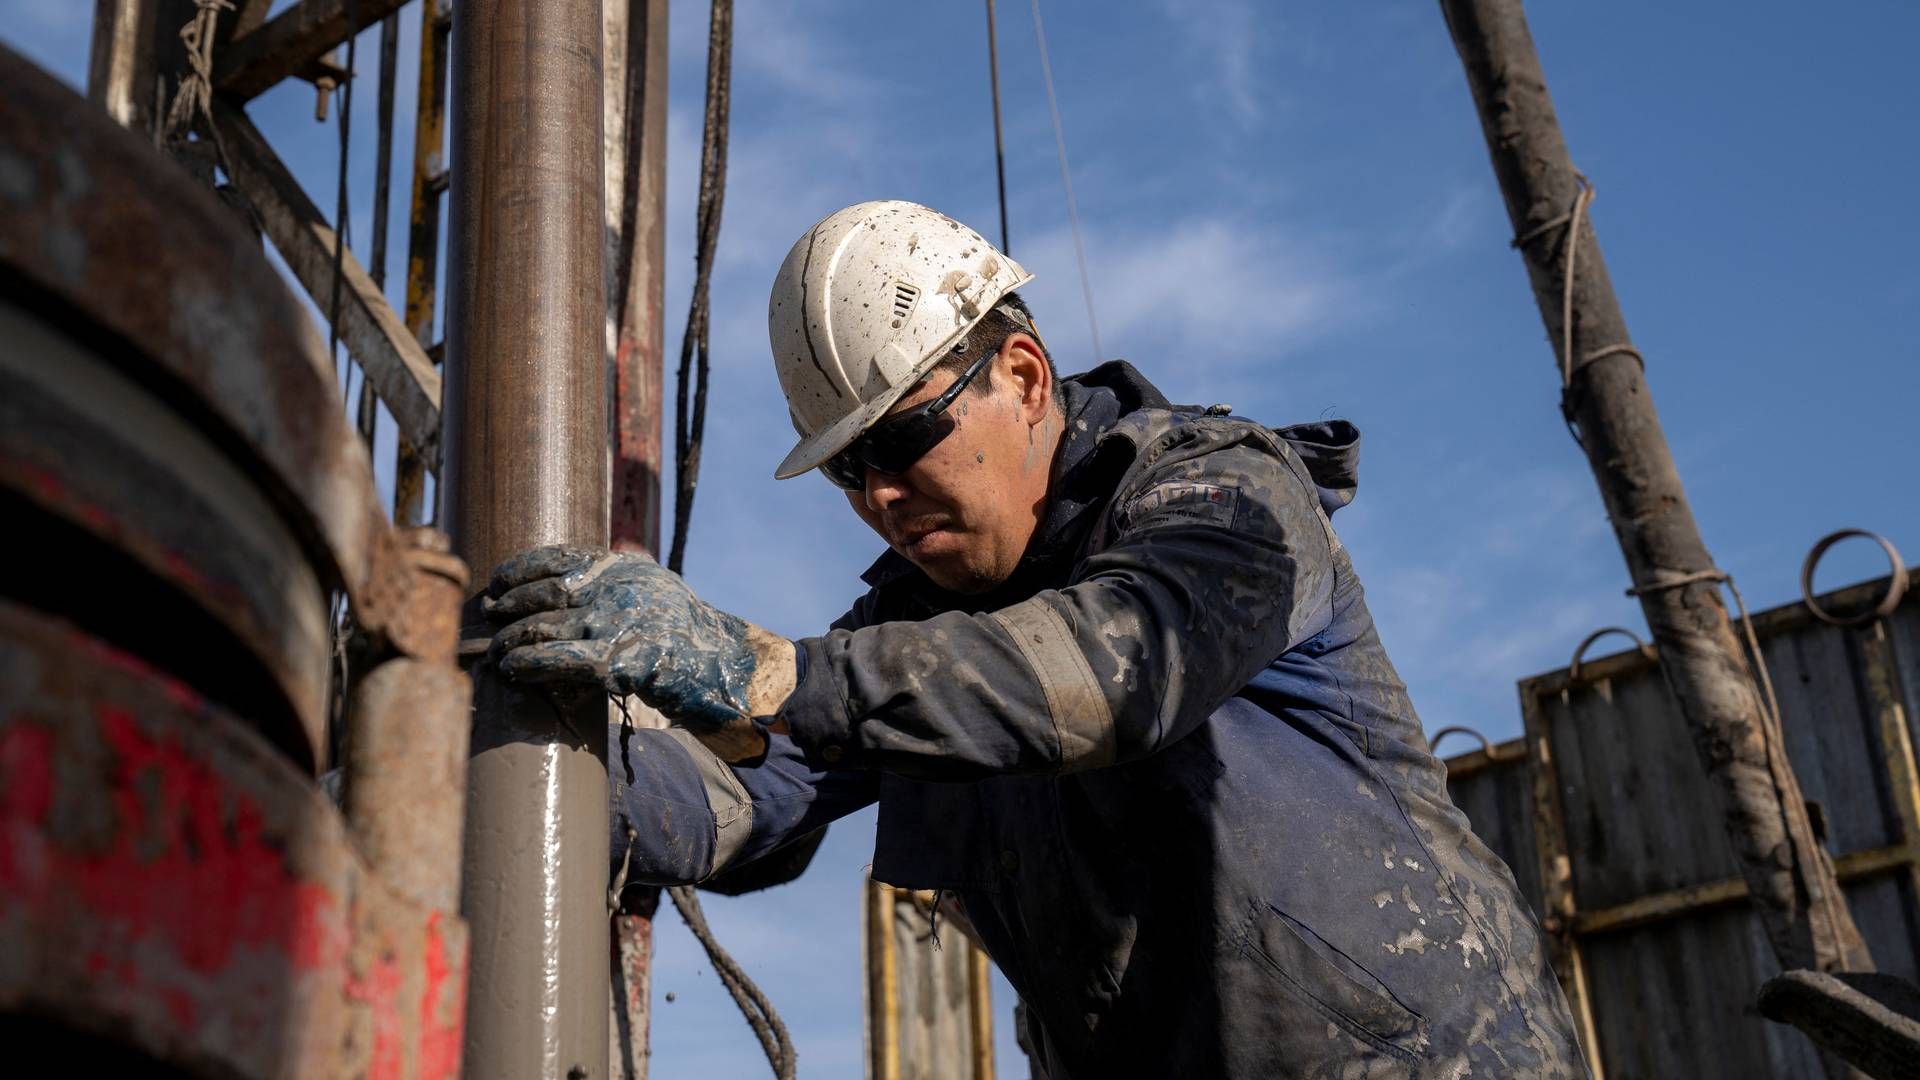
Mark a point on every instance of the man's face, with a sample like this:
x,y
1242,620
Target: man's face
x,y
965,512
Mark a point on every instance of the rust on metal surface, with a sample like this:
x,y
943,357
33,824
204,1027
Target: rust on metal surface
x,y
291,43
92,220
1580,650
632,960
406,786
426,624
95,455
406,767
1896,581
168,881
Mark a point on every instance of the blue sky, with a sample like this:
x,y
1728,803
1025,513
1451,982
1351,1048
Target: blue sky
x,y
1288,207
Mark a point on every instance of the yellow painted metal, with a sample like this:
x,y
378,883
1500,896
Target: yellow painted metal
x,y
1882,685
1676,902
883,990
980,1013
1556,878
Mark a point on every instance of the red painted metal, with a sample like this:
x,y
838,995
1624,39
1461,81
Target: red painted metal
x,y
168,880
182,491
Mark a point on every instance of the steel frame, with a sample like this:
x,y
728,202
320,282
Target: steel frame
x,y
1568,925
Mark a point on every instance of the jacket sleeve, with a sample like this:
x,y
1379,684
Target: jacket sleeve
x,y
680,815
1220,559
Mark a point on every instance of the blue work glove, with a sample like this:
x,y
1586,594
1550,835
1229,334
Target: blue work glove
x,y
625,623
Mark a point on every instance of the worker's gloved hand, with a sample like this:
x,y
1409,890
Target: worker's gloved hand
x,y
628,624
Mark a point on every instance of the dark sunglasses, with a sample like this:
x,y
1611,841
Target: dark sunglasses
x,y
895,442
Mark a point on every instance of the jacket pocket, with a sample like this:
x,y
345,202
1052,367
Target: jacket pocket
x,y
1312,970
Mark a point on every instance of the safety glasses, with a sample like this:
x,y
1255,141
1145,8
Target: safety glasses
x,y
895,442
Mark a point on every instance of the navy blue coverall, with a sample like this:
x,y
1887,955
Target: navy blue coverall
x,y
1167,769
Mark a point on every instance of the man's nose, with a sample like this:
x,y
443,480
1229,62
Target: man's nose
x,y
885,489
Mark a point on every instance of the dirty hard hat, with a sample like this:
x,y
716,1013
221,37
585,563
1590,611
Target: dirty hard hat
x,y
867,303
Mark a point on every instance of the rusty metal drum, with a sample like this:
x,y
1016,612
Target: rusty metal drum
x,y
183,496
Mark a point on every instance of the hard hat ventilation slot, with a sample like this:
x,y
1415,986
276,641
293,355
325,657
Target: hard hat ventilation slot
x,y
904,295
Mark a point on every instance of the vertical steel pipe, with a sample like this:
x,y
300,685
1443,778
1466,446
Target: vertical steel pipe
x,y
525,465
406,788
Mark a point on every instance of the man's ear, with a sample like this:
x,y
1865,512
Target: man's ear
x,y
1031,377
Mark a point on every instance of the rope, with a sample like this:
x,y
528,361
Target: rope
x,y
1568,366
1066,179
1775,734
760,1014
689,430
999,151
194,97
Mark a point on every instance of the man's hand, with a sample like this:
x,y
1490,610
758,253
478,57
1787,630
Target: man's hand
x,y
629,625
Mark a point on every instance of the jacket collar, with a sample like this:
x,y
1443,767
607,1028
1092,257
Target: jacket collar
x,y
1090,464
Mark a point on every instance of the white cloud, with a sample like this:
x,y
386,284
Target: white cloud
x,y
1214,294
1222,36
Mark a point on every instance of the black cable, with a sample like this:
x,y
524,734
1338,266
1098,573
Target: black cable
x,y
690,429
999,152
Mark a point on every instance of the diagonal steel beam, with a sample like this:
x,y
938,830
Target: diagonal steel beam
x,y
395,363
244,19
290,42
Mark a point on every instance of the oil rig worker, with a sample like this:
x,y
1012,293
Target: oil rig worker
x,y
1113,684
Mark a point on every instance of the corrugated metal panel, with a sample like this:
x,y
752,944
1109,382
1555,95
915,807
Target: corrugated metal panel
x,y
1656,937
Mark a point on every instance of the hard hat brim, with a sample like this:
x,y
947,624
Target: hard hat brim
x,y
814,449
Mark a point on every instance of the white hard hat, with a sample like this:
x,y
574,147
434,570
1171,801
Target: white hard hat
x,y
867,303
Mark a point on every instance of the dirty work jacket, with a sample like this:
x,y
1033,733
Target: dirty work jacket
x,y
1168,770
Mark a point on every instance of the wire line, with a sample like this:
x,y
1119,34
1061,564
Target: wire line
x,y
1066,179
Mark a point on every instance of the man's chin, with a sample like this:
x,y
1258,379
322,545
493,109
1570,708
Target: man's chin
x,y
948,566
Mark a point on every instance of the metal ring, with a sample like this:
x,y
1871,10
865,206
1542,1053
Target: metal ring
x,y
1580,650
1486,747
1895,590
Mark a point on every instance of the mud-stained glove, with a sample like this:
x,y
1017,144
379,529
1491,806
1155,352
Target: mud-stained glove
x,y
631,626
